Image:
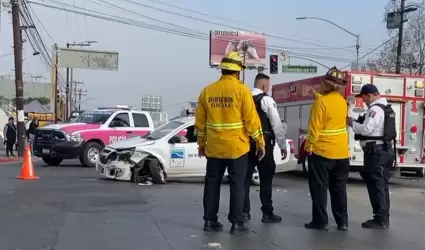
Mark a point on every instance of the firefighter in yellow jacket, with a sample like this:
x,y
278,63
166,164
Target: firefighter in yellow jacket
x,y
225,119
327,146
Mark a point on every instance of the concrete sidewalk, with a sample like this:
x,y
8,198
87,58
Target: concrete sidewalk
x,y
4,159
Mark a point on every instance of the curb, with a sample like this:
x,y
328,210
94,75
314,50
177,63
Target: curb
x,y
5,161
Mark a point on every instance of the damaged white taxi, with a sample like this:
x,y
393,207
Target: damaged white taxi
x,y
170,151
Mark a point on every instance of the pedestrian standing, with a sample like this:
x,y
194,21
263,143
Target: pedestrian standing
x,y
376,132
225,118
273,132
327,147
31,129
10,134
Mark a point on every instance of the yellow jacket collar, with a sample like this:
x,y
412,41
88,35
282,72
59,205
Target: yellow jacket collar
x,y
229,77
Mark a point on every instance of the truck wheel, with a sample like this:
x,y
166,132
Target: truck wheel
x,y
52,161
158,175
255,178
305,165
421,173
90,154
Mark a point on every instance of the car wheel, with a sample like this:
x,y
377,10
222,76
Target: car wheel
x,y
255,178
51,161
90,154
421,173
158,174
305,165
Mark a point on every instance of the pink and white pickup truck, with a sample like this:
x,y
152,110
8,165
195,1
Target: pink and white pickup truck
x,y
88,134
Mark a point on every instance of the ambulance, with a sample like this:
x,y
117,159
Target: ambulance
x,y
404,92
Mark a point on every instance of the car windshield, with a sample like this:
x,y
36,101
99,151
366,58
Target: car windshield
x,y
74,115
93,117
164,130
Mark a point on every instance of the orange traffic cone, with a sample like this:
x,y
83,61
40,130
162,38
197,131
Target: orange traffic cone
x,y
27,171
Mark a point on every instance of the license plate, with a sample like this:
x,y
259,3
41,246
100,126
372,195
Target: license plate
x,y
45,151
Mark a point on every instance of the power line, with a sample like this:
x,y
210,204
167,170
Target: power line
x,y
370,52
226,19
222,24
147,17
187,33
35,36
131,22
201,33
190,30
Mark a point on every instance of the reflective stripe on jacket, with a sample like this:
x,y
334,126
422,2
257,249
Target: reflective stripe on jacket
x,y
327,134
225,118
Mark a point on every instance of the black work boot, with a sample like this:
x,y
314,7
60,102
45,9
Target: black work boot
x,y
212,226
246,216
271,218
239,228
342,227
375,224
315,226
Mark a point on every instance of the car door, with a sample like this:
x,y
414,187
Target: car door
x,y
120,127
184,160
141,123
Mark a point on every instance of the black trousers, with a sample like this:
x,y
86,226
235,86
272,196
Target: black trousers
x,y
266,170
236,169
324,173
9,146
376,173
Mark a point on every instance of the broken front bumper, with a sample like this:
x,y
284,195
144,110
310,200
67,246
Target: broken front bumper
x,y
118,164
115,170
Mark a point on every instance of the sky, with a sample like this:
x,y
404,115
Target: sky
x,y
177,67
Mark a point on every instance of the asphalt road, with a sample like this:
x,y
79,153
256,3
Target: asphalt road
x,y
70,208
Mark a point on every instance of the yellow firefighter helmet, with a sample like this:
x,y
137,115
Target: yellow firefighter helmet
x,y
336,77
232,61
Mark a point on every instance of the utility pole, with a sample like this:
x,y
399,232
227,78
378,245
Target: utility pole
x,y
69,72
67,89
17,45
75,83
358,49
81,93
244,49
400,39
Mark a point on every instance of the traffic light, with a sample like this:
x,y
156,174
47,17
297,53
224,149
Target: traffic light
x,y
274,64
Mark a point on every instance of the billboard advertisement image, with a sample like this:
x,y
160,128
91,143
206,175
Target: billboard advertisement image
x,y
250,46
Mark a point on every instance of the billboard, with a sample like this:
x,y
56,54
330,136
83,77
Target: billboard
x,y
151,103
222,42
88,59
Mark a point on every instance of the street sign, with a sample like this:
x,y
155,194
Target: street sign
x,y
299,69
393,20
283,56
151,103
88,59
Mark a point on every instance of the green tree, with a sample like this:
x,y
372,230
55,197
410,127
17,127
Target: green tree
x,y
413,48
41,100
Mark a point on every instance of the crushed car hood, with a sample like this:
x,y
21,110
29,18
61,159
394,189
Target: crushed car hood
x,y
132,142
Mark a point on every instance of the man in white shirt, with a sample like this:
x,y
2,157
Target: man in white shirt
x,y
379,155
273,133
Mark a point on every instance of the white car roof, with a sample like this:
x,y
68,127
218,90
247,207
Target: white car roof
x,y
186,119
115,110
